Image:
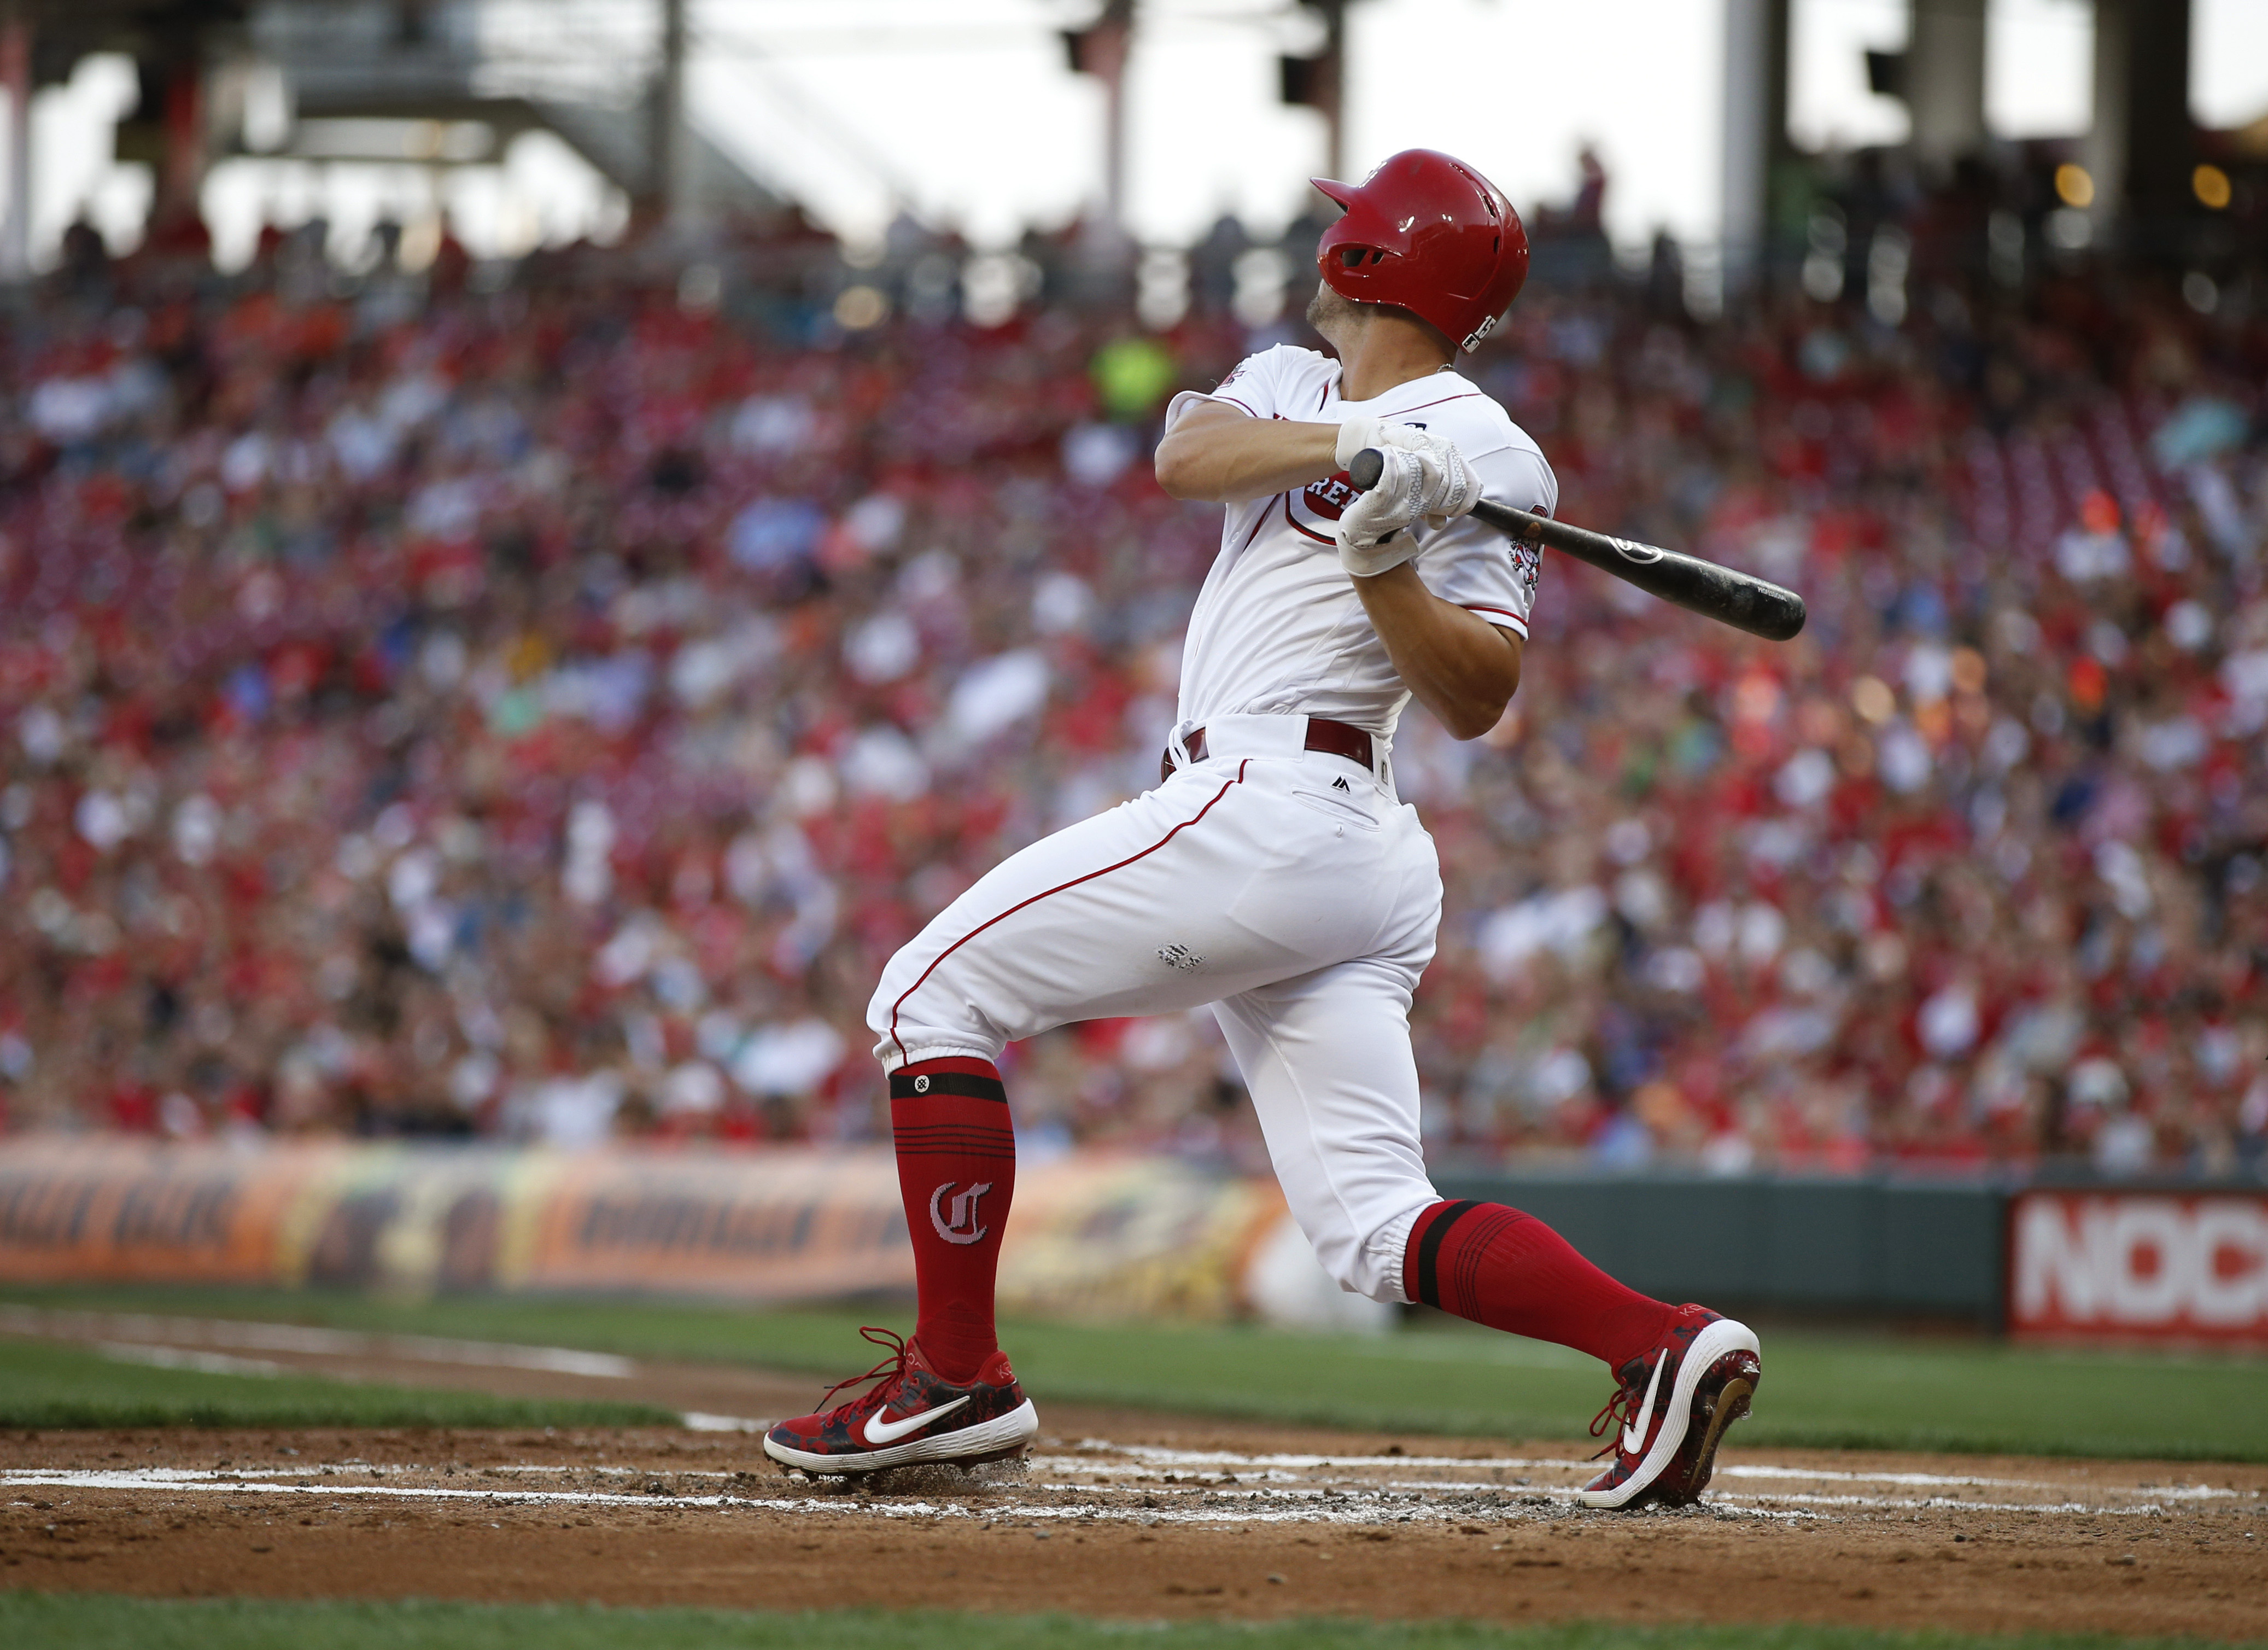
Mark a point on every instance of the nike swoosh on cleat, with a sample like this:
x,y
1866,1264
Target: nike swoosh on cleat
x,y
880,1432
1634,1432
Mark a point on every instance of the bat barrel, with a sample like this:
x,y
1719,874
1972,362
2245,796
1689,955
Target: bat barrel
x,y
1740,600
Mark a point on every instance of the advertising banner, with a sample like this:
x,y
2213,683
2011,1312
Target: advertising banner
x,y
1109,1235
772,1225
2131,1266
1093,1233
72,1210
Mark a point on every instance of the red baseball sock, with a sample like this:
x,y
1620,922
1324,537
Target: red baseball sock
x,y
956,1172
1494,1265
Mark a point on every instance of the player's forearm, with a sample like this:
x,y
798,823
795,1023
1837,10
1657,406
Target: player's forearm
x,y
1460,667
1225,457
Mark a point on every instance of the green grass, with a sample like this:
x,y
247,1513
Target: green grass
x,y
1849,1390
96,1622
43,1385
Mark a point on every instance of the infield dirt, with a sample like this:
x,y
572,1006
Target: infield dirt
x,y
1118,1514
1167,1518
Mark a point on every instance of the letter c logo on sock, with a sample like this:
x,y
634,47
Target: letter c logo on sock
x,y
962,1227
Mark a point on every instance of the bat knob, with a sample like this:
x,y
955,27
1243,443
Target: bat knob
x,y
1368,465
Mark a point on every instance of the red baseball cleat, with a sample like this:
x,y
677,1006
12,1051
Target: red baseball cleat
x,y
910,1415
1675,1404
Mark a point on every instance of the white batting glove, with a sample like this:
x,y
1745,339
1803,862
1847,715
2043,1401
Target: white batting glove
x,y
1357,433
1447,487
1373,532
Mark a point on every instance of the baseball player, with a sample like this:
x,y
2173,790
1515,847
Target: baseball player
x,y
1273,873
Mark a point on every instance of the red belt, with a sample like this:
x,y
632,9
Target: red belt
x,y
1333,739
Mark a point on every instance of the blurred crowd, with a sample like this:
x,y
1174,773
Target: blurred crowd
x,y
533,703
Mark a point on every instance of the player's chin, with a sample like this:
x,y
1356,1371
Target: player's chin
x,y
1327,306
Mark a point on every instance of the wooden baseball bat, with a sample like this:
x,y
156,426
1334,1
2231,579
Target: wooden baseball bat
x,y
1740,600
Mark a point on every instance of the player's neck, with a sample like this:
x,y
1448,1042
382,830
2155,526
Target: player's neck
x,y
1384,353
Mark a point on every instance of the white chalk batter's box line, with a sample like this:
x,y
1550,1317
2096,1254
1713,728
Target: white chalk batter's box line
x,y
1271,1469
1402,1502
1376,1513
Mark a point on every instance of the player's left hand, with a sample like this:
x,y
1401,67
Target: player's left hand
x,y
1355,434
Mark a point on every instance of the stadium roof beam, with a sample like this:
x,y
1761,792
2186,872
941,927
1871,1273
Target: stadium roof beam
x,y
1755,132
1943,76
1101,49
1939,77
672,192
2142,144
16,75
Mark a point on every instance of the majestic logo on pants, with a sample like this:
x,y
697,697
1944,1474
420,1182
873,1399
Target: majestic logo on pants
x,y
962,1227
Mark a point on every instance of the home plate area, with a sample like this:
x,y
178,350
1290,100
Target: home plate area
x,y
1145,1517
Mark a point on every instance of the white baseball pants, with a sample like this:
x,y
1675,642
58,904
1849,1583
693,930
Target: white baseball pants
x,y
1288,888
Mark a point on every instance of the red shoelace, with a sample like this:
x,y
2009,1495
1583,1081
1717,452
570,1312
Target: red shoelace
x,y
1619,1410
887,1370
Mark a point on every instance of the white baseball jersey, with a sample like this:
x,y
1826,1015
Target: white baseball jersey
x,y
1278,627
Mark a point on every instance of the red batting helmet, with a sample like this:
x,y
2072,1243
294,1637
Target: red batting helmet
x,y
1429,234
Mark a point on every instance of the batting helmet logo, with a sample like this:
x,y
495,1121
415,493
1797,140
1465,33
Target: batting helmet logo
x,y
1427,233
962,1227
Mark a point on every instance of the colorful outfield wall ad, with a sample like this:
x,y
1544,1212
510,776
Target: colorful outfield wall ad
x,y
1093,1235
74,1210
2138,1266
